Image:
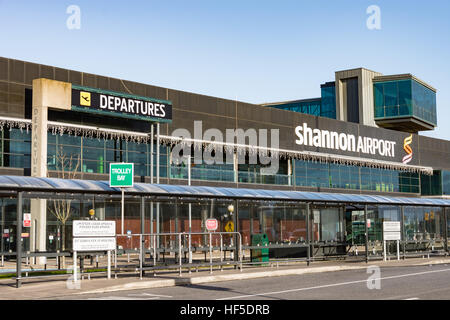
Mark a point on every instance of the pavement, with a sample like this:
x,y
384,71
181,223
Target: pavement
x,y
388,283
64,287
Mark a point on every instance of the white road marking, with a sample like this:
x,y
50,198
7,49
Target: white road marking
x,y
330,285
149,294
412,298
122,298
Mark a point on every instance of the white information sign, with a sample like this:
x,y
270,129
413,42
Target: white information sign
x,y
94,244
91,228
391,235
391,226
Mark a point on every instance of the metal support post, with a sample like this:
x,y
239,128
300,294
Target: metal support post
x,y
308,238
115,263
141,256
240,250
75,275
2,244
122,208
143,228
157,181
402,229
154,253
445,230
151,181
398,249
384,250
366,234
221,247
19,240
236,228
190,212
210,253
179,251
109,265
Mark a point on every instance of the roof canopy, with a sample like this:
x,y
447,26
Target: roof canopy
x,y
20,183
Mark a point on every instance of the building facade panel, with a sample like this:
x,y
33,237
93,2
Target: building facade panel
x,y
228,114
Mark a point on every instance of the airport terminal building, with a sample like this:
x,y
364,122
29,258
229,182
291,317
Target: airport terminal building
x,y
353,155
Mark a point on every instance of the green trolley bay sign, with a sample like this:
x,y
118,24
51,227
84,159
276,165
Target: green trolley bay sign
x,y
121,174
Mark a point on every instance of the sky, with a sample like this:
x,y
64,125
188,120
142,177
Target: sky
x,y
251,50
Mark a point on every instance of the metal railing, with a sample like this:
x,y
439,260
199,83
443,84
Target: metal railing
x,y
183,246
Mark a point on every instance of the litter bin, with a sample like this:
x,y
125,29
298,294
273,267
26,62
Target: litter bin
x,y
260,255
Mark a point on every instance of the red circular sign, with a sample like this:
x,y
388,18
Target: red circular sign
x,y
212,224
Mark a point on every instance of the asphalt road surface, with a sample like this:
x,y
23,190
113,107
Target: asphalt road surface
x,y
398,283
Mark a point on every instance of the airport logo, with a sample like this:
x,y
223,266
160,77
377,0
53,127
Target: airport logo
x,y
343,141
85,98
406,146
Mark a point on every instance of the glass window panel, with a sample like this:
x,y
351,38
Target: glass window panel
x,y
390,94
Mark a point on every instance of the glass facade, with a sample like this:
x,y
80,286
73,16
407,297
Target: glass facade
x,y
15,148
329,175
310,106
328,105
94,156
251,173
446,182
423,223
204,171
404,98
284,222
431,185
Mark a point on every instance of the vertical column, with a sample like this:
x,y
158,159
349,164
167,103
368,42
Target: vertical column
x,y
402,229
2,244
151,153
289,161
19,240
157,181
46,94
366,233
151,180
294,183
142,215
176,216
38,169
236,229
142,253
308,237
235,166
444,210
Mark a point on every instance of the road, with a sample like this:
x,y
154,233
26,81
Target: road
x,y
398,283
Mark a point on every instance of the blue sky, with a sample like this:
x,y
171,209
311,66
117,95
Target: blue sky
x,y
256,51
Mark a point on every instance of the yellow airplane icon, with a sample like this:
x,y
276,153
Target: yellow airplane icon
x,y
85,98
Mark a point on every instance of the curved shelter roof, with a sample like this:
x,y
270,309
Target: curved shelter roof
x,y
20,183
